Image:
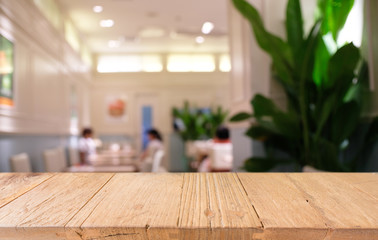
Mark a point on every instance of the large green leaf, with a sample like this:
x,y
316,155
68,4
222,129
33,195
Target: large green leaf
x,y
304,77
308,51
278,49
344,121
269,126
263,106
288,125
294,27
273,119
335,14
372,136
360,91
262,164
342,66
323,111
242,116
340,76
259,132
327,156
273,140
365,146
322,57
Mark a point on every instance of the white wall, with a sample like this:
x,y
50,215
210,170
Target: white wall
x,y
46,68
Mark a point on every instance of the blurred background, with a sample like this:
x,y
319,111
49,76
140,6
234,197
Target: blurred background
x,y
124,67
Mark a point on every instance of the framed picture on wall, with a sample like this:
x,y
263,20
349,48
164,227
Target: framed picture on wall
x,y
6,72
116,109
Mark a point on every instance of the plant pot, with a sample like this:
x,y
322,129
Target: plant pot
x,y
308,168
190,149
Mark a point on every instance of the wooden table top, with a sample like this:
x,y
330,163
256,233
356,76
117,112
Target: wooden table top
x,y
108,206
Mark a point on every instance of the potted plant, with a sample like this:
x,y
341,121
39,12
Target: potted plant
x,y
326,93
194,124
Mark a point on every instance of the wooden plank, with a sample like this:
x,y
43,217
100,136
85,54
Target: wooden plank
x,y
350,214
283,209
132,206
364,182
43,212
14,185
326,206
215,206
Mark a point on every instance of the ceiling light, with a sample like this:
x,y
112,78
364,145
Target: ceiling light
x,y
200,39
97,9
114,44
107,23
207,27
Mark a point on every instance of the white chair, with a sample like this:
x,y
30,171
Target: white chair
x,y
20,163
74,156
156,162
62,157
54,160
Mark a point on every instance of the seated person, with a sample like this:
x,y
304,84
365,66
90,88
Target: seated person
x,y
87,146
219,157
155,143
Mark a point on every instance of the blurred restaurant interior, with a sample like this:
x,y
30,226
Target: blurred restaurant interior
x,y
155,84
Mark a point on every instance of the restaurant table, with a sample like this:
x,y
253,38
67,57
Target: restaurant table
x,y
109,161
101,168
111,158
118,206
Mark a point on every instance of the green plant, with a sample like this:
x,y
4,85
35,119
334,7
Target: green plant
x,y
325,92
189,122
215,118
196,124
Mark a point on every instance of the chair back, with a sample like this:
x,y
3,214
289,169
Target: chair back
x,y
74,156
62,157
54,160
20,163
158,156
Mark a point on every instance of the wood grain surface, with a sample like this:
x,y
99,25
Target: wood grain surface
x,y
14,185
47,208
215,206
260,206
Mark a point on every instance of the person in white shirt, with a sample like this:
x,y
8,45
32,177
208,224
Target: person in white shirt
x,y
155,143
219,150
87,146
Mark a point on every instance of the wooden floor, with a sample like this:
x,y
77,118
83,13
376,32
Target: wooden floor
x,y
107,206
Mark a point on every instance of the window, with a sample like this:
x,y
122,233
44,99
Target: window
x,y
152,63
129,63
224,63
191,63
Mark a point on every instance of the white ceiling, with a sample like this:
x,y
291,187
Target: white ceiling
x,y
135,21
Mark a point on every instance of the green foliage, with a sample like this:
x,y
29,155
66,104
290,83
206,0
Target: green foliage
x,y
334,14
259,164
215,118
193,124
241,117
325,91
